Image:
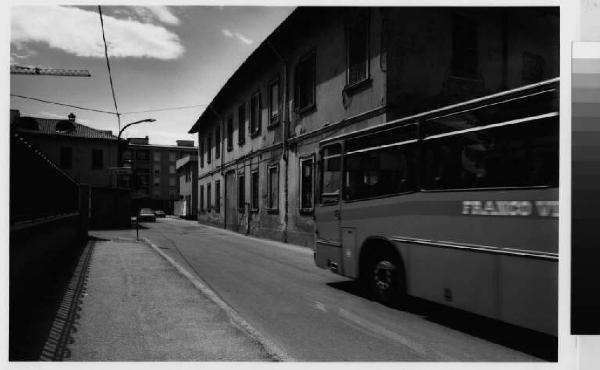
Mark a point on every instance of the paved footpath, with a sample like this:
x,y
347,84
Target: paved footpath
x,y
137,306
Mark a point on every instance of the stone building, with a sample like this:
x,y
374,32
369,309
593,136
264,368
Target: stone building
x,y
328,71
84,153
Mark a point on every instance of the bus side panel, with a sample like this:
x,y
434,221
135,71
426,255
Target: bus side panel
x,y
533,303
456,278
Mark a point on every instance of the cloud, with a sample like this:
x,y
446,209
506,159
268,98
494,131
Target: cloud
x,y
164,14
243,39
153,13
77,31
237,35
20,51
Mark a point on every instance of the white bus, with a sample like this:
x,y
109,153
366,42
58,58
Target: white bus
x,y
457,206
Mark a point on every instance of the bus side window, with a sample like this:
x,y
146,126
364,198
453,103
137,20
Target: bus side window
x,y
520,155
331,165
381,164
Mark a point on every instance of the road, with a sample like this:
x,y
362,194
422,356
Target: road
x,y
314,315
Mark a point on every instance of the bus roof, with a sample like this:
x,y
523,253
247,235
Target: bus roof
x,y
446,109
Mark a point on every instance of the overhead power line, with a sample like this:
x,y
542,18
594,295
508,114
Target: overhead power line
x,y
166,109
103,111
112,88
63,104
23,70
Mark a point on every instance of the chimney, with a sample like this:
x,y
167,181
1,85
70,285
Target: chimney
x,y
186,143
139,140
71,117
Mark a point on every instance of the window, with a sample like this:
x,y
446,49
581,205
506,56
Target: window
x,y
381,164
142,155
357,45
188,173
255,116
306,183
230,133
172,181
97,159
201,150
254,190
208,197
127,155
217,195
241,192
157,170
330,173
242,124
156,156
217,142
157,181
208,148
464,47
273,188
172,156
66,157
506,144
143,179
274,103
304,79
201,198
172,169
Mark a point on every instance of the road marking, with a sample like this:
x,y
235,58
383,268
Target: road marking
x,y
270,347
380,330
320,306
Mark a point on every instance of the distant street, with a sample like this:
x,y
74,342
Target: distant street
x,y
314,315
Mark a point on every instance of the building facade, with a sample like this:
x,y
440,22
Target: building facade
x,y
328,71
84,153
187,171
153,181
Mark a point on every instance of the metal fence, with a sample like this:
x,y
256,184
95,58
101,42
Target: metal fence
x,y
38,188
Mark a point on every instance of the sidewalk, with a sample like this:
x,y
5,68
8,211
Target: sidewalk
x,y
136,306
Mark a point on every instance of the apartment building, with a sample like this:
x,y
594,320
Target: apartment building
x,y
328,71
153,181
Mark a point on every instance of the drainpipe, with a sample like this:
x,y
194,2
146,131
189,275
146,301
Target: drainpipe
x,y
221,160
284,133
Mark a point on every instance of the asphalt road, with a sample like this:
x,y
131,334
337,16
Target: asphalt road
x,y
314,315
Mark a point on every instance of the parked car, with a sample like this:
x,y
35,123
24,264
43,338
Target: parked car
x,y
160,213
146,214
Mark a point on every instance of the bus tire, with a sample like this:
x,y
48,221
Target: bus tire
x,y
385,279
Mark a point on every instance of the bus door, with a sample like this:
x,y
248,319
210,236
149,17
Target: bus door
x,y
328,212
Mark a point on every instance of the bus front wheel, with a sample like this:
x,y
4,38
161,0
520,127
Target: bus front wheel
x,y
386,279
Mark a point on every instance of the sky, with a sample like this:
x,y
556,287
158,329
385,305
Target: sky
x,y
160,57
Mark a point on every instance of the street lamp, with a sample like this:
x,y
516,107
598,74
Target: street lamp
x,y
119,154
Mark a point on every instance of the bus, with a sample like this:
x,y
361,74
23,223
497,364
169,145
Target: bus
x,y
458,205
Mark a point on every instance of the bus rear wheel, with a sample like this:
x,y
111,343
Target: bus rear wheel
x,y
386,279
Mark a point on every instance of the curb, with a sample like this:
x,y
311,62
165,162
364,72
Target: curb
x,y
272,350
294,247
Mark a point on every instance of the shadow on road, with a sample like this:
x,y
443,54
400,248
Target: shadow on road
x,y
132,227
524,340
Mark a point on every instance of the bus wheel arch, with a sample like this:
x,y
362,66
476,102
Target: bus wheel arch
x,y
382,271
